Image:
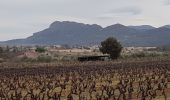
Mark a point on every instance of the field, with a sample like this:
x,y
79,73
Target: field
x,y
132,80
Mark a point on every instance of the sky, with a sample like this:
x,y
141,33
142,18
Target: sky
x,y
22,18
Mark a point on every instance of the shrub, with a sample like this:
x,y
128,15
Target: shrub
x,y
44,59
40,50
112,47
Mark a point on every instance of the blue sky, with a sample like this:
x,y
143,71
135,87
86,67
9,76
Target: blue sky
x,y
21,18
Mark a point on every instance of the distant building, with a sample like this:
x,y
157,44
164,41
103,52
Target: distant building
x,y
137,49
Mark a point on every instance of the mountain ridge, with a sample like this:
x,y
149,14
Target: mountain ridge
x,y
73,33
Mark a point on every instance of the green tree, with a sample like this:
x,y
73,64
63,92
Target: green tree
x,y
7,49
112,47
1,50
40,49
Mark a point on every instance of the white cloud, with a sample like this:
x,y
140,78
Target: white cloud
x,y
127,10
24,17
9,36
166,2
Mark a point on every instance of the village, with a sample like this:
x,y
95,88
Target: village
x,y
59,53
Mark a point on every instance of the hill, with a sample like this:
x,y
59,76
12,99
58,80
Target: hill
x,y
73,33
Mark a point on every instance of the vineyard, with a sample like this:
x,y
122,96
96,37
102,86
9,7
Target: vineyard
x,y
143,80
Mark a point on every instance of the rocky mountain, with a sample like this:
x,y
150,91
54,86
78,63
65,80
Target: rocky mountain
x,y
167,26
142,27
73,33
